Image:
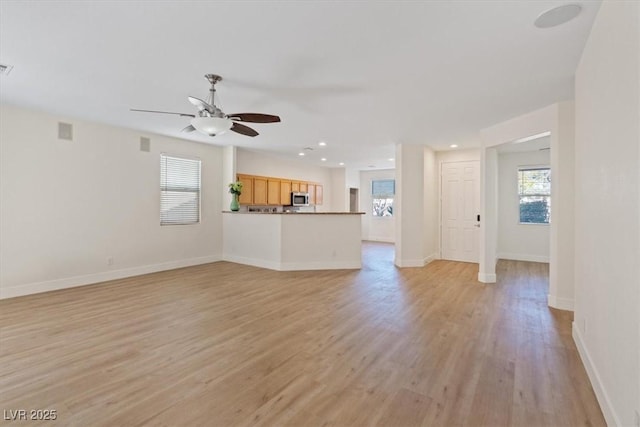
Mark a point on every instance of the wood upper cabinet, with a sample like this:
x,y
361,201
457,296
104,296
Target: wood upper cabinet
x,y
259,190
246,198
285,192
273,191
266,190
311,189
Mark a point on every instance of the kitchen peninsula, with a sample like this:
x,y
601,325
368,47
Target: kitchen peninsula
x,y
288,241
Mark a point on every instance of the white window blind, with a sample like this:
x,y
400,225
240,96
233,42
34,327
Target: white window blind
x,y
179,190
383,188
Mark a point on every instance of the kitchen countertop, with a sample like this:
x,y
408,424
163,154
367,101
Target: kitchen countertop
x,y
296,213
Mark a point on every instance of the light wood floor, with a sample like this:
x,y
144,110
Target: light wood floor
x,y
230,345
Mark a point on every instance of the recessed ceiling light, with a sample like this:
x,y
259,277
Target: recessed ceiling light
x,y
454,146
532,137
558,15
391,159
301,154
341,164
323,159
322,143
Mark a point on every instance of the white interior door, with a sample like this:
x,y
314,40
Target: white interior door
x,y
460,207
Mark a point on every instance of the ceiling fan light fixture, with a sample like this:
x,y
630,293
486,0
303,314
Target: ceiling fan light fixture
x,y
211,125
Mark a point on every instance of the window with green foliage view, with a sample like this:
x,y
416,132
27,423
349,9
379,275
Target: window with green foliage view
x,y
534,189
382,193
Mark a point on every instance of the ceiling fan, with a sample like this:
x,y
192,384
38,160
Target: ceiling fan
x,y
210,119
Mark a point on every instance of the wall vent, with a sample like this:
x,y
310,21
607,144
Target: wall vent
x,y
65,131
5,69
145,144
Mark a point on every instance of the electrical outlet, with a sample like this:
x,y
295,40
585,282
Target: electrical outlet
x,y
110,260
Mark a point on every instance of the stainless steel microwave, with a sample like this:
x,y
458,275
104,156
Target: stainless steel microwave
x,y
299,199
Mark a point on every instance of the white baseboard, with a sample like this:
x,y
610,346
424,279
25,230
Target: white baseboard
x,y
523,257
430,258
294,266
322,265
487,277
255,262
560,303
380,239
409,262
601,394
89,279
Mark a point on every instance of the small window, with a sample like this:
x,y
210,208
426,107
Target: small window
x,y
382,193
179,190
534,189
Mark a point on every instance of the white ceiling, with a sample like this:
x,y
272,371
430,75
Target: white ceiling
x,y
361,76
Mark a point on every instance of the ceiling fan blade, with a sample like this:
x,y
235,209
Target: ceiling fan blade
x,y
163,112
244,130
201,105
254,118
189,128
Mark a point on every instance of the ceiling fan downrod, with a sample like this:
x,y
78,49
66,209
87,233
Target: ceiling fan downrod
x,y
213,79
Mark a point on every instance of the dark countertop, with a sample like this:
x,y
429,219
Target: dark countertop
x,y
296,213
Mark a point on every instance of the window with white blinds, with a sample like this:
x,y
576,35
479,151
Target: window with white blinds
x,y
534,191
179,190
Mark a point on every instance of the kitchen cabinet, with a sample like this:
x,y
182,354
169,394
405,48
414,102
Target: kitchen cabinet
x,y
273,191
285,193
259,190
267,190
246,198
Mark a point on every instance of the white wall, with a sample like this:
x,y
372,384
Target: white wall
x,y
67,206
431,230
263,164
607,210
561,272
339,190
380,229
409,206
458,155
525,242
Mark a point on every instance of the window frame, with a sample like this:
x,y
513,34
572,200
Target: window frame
x,y
520,195
164,188
386,196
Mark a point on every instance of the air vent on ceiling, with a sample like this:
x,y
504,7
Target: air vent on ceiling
x,y
5,69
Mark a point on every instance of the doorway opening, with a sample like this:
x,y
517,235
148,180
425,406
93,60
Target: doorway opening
x,y
353,200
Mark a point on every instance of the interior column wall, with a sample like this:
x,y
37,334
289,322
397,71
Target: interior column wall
x,y
409,205
607,210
